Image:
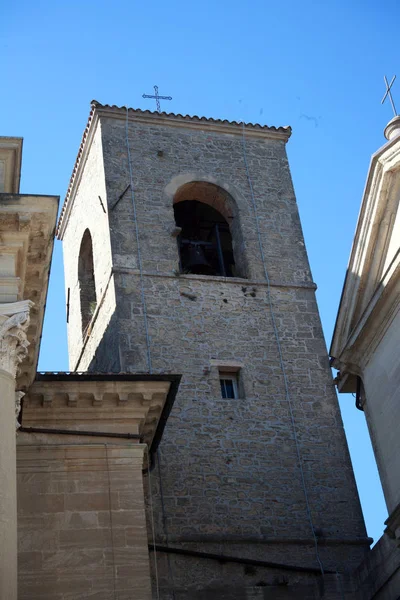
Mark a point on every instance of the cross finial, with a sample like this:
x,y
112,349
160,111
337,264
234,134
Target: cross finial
x,y
389,93
157,97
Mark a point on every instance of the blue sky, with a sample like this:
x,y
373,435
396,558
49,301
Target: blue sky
x,y
317,66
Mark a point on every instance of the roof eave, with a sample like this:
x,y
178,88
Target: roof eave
x,y
195,122
169,119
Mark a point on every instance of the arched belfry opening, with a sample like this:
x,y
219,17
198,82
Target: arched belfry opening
x,y
87,287
203,212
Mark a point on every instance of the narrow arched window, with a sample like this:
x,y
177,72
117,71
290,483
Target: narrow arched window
x,y
87,285
205,241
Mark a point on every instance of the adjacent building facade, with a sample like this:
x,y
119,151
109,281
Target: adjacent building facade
x,y
365,347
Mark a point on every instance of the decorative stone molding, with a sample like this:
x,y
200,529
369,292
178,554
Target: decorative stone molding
x,y
116,404
374,264
18,398
14,322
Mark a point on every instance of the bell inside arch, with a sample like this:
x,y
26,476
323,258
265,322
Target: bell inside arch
x,y
196,260
204,240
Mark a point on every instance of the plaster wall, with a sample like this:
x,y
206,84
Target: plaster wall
x,y
394,240
381,379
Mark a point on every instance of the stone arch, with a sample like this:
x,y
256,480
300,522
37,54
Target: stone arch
x,y
233,197
205,192
87,284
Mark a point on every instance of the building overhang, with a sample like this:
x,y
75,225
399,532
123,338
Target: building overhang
x,y
27,224
98,405
370,293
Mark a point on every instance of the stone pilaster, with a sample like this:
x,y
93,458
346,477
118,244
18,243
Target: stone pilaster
x,y
14,322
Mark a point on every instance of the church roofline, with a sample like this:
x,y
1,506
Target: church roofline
x,y
360,254
137,113
169,119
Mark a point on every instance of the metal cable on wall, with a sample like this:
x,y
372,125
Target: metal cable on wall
x,y
275,329
281,360
142,294
153,530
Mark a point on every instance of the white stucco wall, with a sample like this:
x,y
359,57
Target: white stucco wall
x,y
382,408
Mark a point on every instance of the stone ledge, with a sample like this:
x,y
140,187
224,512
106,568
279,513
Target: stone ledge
x,y
96,403
252,539
233,280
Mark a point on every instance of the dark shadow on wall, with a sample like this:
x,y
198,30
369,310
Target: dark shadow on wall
x,y
107,355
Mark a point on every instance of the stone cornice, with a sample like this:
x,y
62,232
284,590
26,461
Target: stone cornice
x,y
192,122
310,285
373,323
99,403
370,246
26,243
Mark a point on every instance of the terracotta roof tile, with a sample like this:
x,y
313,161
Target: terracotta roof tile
x,y
286,129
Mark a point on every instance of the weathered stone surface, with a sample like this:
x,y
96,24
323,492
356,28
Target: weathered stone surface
x,y
75,545
227,479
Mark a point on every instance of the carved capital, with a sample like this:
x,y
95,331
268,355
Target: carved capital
x,y
14,322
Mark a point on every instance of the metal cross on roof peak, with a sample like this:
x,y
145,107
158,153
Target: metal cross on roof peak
x,y
389,93
157,97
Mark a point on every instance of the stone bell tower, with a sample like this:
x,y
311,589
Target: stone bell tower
x,y
184,254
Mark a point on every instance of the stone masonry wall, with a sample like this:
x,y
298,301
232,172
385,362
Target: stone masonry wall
x,y
81,520
228,479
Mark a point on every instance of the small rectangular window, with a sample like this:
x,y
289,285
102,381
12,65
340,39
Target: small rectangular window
x,y
229,385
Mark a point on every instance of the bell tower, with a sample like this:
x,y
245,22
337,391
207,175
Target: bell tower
x,y
184,254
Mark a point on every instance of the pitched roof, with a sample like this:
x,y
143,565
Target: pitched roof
x,y
191,118
118,111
